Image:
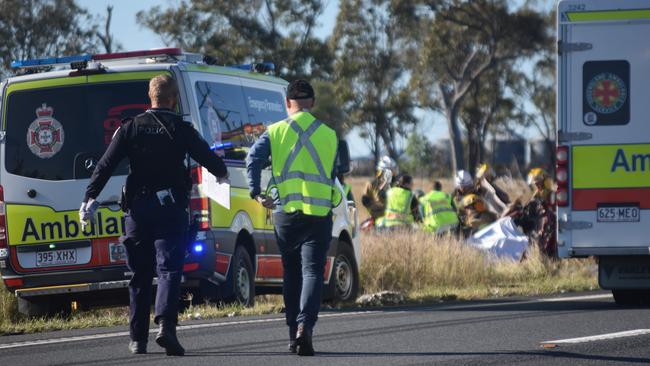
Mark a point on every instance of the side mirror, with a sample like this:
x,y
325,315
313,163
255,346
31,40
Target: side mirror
x,y
343,160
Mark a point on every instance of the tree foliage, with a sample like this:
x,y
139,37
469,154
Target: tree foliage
x,y
370,74
40,28
461,42
233,32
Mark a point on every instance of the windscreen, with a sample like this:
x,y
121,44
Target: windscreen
x,y
234,114
60,133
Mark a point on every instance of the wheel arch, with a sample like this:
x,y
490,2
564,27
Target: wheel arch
x,y
245,239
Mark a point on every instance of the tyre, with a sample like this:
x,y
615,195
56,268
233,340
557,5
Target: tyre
x,y
344,281
242,278
631,297
44,306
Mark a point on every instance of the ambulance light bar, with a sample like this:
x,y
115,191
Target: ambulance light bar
x,y
49,61
159,52
80,59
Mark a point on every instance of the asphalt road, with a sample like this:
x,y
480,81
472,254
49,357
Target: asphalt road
x,y
469,333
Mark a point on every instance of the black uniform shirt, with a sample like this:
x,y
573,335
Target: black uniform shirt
x,y
156,161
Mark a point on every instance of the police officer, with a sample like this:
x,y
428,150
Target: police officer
x,y
303,152
157,196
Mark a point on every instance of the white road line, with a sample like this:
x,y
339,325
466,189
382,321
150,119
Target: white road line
x,y
41,342
600,337
577,298
281,319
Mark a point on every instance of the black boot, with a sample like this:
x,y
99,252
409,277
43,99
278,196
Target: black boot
x,y
166,338
138,347
293,344
303,341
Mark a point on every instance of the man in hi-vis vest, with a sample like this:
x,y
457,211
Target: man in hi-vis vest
x,y
303,154
439,214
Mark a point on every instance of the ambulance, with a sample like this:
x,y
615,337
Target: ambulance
x,y
603,153
57,119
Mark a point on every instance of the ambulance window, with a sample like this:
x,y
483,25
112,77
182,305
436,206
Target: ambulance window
x,y
221,108
60,133
264,106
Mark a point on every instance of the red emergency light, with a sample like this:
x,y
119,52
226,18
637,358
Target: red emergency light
x,y
158,52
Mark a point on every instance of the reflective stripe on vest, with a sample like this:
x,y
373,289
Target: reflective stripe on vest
x,y
439,216
306,150
398,207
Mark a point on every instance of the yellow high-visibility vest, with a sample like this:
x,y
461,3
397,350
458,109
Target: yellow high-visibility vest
x,y
303,150
398,207
439,215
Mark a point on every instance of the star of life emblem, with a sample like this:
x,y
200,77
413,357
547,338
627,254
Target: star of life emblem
x,y
606,93
45,134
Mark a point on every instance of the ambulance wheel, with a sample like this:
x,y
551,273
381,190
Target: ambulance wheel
x,y
344,281
44,306
242,278
631,297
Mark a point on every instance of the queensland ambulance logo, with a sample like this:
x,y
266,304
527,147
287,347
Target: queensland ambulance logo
x,y
606,93
45,135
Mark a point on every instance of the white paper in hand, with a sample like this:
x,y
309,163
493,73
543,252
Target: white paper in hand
x,y
219,192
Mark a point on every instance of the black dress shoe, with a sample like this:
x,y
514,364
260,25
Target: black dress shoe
x,y
304,345
293,346
166,338
137,347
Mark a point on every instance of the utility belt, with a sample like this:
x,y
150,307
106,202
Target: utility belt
x,y
165,196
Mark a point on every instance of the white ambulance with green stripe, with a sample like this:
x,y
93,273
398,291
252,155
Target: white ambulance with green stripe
x,y
603,154
57,120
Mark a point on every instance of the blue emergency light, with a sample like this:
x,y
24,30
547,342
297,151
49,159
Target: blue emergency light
x,y
221,146
50,61
198,248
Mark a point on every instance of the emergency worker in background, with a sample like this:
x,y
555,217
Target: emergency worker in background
x,y
374,196
542,186
402,207
438,211
477,216
303,153
463,185
541,207
496,199
156,201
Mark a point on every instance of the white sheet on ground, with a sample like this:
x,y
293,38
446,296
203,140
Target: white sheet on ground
x,y
502,238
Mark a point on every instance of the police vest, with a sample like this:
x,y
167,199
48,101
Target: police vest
x,y
303,150
398,207
439,215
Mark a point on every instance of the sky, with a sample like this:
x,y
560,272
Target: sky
x,y
133,37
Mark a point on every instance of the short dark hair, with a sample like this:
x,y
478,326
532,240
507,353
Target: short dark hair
x,y
404,180
437,185
300,89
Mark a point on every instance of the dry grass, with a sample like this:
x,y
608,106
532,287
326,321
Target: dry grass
x,y
13,323
425,267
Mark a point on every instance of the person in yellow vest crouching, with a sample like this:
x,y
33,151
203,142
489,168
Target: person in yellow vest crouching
x,y
439,214
402,207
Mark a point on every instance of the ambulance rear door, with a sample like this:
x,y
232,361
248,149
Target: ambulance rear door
x,y
604,123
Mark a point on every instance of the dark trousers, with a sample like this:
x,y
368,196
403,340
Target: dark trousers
x,y
156,240
303,241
